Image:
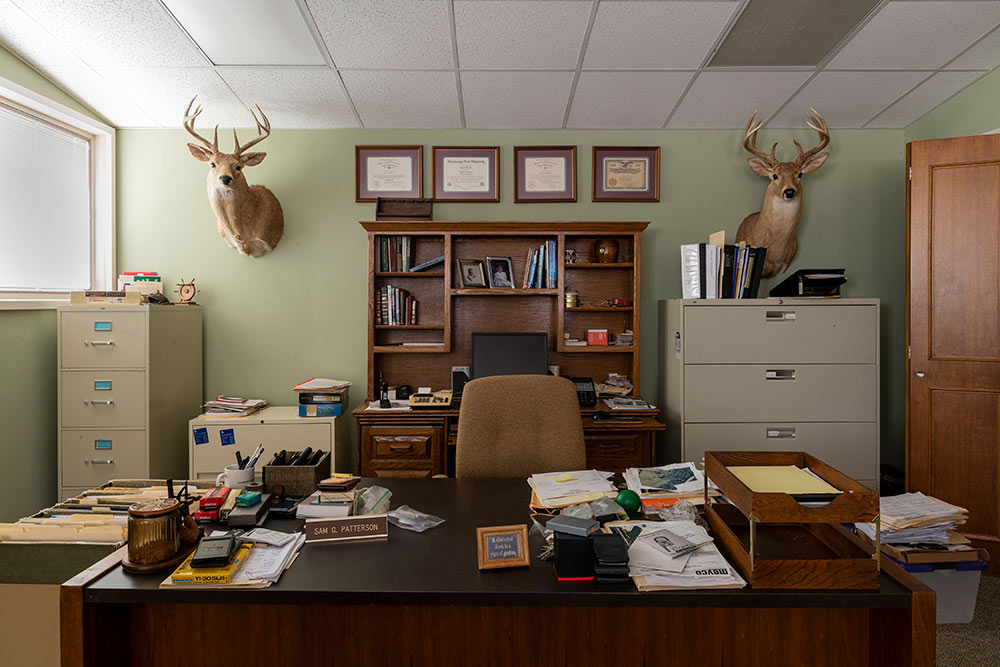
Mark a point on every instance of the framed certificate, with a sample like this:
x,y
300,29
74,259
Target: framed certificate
x,y
466,173
544,173
388,171
626,173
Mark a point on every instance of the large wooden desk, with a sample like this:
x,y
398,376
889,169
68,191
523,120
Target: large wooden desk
x,y
418,599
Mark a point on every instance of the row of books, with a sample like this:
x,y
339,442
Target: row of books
x,y
395,306
395,253
710,271
541,270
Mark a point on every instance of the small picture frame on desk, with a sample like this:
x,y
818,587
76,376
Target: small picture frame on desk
x,y
500,272
502,546
544,174
466,173
470,273
626,173
388,171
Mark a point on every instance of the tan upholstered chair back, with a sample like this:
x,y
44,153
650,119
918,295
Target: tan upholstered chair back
x,y
517,425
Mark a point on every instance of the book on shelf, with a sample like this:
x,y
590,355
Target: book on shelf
x,y
727,271
396,253
540,269
395,307
429,263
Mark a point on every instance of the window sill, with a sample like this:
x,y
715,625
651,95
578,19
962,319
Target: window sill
x,y
32,304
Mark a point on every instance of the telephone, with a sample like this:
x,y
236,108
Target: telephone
x,y
586,393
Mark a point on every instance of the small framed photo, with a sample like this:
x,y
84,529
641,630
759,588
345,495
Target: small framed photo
x,y
502,546
500,272
470,273
544,174
626,173
466,173
388,171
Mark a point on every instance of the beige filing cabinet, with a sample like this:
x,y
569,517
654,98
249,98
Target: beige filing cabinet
x,y
130,378
773,375
275,428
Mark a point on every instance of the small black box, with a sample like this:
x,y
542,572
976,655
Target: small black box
x,y
574,557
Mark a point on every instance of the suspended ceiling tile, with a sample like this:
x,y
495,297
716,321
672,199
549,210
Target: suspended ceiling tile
x,y
923,98
516,99
520,35
917,35
293,97
164,94
726,99
404,99
847,99
97,93
614,100
664,35
22,35
388,34
116,33
984,55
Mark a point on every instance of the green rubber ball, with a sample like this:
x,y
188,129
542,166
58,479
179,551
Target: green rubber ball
x,y
629,500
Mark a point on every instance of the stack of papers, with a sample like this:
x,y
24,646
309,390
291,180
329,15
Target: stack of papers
x,y
234,406
921,528
321,386
663,485
626,403
561,489
325,505
263,566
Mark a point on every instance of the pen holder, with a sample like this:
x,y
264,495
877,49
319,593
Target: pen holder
x,y
295,481
235,477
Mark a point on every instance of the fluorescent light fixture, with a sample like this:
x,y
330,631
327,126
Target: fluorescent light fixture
x,y
248,32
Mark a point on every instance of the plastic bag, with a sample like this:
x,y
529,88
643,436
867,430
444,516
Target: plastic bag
x,y
548,540
605,507
681,510
372,500
406,517
581,511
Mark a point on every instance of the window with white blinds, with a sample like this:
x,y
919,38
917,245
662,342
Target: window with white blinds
x,y
46,205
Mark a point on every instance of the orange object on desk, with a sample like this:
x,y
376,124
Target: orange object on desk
x,y
597,336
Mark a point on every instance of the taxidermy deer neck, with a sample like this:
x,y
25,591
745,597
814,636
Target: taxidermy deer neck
x,y
776,225
248,217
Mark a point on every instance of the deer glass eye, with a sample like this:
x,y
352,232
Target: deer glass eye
x,y
800,174
239,168
213,165
774,177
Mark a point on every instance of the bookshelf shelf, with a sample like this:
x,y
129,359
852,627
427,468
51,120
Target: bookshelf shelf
x,y
600,309
605,349
413,327
595,265
437,348
409,274
505,292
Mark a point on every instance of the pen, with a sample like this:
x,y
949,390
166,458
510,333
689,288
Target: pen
x,y
256,455
239,460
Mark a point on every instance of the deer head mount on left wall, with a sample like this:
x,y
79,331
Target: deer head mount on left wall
x,y
248,217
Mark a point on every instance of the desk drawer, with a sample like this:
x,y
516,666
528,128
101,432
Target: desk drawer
x,y
792,334
614,452
92,457
100,399
103,339
780,392
409,442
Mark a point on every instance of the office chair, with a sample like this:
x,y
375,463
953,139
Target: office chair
x,y
517,425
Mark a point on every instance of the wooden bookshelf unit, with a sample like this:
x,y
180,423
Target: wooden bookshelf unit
x,y
423,354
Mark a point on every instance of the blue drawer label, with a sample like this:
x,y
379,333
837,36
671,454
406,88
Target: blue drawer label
x,y
201,436
102,326
102,385
227,436
102,444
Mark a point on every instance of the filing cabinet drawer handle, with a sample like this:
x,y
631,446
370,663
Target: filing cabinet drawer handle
x,y
779,374
779,316
95,343
408,447
111,402
99,461
788,432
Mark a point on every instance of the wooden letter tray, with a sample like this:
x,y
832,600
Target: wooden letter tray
x,y
776,542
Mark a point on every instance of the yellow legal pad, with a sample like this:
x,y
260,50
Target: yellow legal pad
x,y
780,479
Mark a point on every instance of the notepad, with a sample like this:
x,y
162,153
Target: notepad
x,y
781,479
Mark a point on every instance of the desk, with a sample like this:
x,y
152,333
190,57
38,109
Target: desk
x,y
419,599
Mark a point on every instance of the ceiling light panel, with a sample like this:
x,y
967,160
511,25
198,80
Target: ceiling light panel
x,y
387,99
248,32
984,55
633,100
655,35
388,34
789,33
917,35
923,98
520,35
534,100
116,33
847,99
21,34
299,98
97,93
726,99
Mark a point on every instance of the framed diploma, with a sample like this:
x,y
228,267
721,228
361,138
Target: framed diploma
x,y
626,173
388,171
466,173
544,173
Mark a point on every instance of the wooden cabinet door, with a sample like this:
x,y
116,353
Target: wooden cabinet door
x,y
953,373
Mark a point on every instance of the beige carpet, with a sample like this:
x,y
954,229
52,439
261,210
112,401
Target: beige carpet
x,y
976,643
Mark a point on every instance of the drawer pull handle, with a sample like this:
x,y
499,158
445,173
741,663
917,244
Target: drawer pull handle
x,y
779,374
95,343
102,462
779,316
780,433
401,448
111,402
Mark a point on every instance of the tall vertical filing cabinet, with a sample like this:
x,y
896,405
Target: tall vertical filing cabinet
x,y
130,378
773,375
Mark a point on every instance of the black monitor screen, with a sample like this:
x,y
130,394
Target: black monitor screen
x,y
509,354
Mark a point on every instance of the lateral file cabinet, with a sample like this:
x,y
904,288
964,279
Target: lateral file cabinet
x,y
213,440
773,375
130,378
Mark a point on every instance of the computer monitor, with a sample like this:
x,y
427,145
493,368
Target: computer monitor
x,y
509,354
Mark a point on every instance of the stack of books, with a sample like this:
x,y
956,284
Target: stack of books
x,y
234,406
321,397
662,486
395,306
395,253
917,528
717,270
541,270
326,505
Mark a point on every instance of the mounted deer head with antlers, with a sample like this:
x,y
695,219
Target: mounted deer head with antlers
x,y
248,217
776,225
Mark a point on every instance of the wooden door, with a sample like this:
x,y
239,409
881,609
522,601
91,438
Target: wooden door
x,y
953,372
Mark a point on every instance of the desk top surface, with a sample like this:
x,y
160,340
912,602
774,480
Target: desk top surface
x,y
439,566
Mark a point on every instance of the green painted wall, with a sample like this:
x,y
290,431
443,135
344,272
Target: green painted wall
x,y
972,111
301,311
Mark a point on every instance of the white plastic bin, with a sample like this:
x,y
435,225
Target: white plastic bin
x,y
956,586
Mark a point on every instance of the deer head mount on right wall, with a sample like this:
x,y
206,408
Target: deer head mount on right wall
x,y
776,225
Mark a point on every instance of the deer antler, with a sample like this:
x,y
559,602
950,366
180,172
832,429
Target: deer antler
x,y
750,141
263,130
817,123
189,118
